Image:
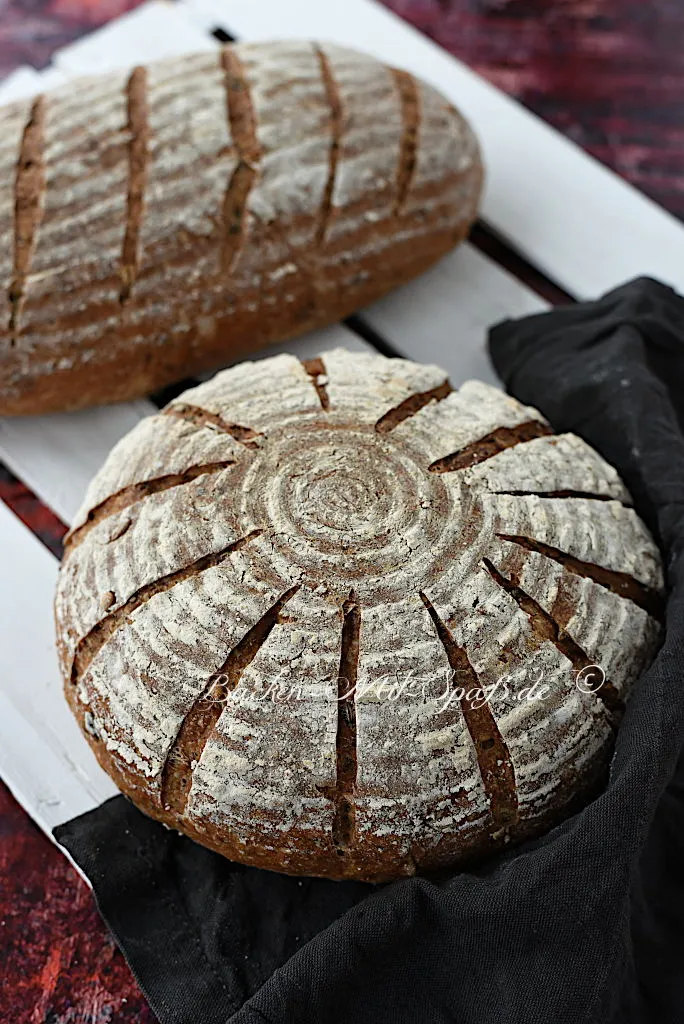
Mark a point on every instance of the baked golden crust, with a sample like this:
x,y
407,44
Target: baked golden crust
x,y
337,618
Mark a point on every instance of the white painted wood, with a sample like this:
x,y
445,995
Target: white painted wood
x,y
208,15
151,32
27,82
44,759
51,77
308,346
569,215
23,82
443,316
56,456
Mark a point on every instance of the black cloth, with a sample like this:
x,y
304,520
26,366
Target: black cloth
x,y
583,925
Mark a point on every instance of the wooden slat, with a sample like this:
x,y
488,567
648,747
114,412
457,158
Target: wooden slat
x,y
24,81
44,759
443,316
151,32
570,216
57,456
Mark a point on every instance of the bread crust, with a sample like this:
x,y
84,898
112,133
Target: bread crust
x,y
302,610
161,222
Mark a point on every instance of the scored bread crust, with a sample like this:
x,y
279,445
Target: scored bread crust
x,y
165,220
284,593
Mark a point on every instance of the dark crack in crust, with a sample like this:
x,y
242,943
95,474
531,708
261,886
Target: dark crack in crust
x,y
134,493
90,645
334,102
583,495
242,124
493,755
412,405
203,418
545,627
138,160
410,111
345,744
29,200
203,717
316,371
620,583
487,447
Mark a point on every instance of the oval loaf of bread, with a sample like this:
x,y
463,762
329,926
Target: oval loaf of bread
x,y
336,618
165,220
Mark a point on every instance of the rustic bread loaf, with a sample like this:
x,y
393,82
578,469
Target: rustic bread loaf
x,y
158,222
284,592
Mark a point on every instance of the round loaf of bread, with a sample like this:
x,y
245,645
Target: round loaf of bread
x,y
337,618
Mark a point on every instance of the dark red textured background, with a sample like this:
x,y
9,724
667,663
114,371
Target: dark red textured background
x,y
608,73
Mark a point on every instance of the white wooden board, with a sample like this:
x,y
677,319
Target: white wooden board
x,y
44,759
57,456
443,317
152,31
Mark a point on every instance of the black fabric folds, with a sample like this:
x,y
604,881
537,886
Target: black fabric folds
x,y
584,925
